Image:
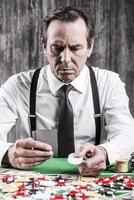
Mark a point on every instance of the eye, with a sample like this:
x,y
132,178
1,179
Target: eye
x,y
76,49
56,49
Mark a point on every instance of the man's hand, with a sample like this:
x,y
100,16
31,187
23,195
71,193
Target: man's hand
x,y
27,152
95,160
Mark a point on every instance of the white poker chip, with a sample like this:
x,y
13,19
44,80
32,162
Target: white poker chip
x,y
48,183
72,159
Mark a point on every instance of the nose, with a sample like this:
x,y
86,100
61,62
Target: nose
x,y
66,55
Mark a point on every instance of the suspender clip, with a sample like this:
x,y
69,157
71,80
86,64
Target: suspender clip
x,y
32,116
97,115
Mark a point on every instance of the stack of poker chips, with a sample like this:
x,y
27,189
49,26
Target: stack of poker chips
x,y
132,161
121,165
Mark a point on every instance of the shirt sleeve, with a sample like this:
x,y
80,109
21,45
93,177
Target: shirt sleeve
x,y
119,122
8,112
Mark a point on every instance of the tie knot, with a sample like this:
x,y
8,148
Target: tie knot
x,y
67,88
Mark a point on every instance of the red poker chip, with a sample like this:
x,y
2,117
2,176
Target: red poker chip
x,y
129,185
21,194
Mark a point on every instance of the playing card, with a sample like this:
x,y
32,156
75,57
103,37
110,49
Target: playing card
x,y
47,136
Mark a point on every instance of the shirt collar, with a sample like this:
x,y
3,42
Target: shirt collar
x,y
78,83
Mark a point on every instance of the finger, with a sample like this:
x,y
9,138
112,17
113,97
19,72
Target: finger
x,y
23,161
32,153
89,172
92,162
42,146
27,165
30,160
96,159
30,143
24,143
98,167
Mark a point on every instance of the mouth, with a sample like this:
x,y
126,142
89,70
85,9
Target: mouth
x,y
66,71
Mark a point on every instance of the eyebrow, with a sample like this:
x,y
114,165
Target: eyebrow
x,y
62,45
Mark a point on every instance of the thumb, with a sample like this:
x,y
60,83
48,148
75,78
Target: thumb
x,y
87,149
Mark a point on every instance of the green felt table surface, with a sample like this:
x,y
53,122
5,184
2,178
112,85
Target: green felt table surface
x,y
56,166
61,166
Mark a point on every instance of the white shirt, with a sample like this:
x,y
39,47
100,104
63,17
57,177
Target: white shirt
x,y
117,133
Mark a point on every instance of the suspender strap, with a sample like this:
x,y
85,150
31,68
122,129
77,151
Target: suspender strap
x,y
33,99
95,102
96,106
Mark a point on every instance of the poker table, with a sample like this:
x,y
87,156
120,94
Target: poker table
x,y
61,166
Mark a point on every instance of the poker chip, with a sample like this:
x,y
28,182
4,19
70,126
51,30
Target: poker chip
x,y
132,161
74,160
47,183
64,187
121,165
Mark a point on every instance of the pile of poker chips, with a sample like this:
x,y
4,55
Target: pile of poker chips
x,y
61,187
117,182
46,188
132,161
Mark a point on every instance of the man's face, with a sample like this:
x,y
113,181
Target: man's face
x,y
67,49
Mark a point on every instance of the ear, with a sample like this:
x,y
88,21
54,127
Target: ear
x,y
90,49
43,46
44,51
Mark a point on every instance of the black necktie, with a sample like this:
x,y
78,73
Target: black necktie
x,y
66,125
